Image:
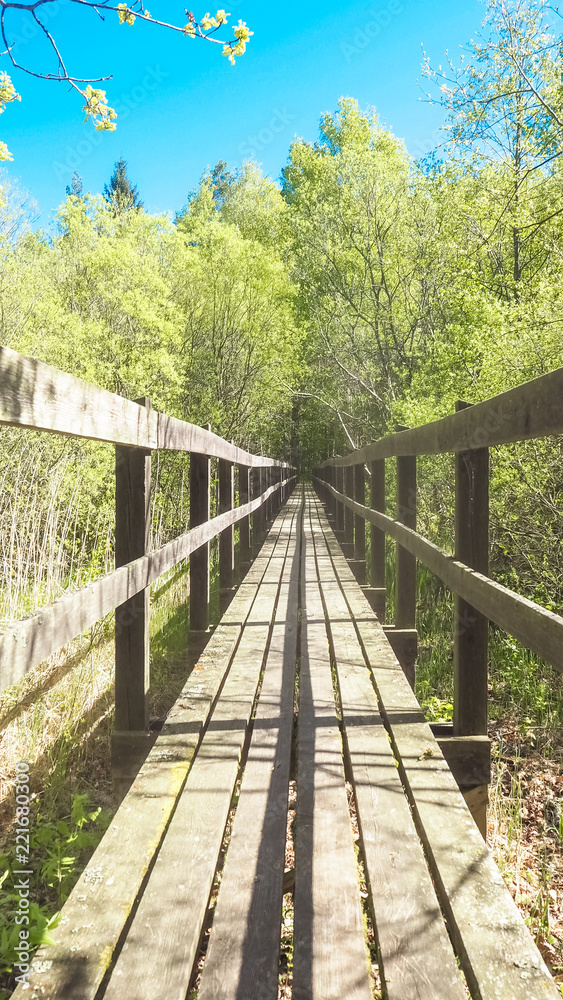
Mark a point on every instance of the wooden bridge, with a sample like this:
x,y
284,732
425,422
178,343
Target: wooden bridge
x,y
300,682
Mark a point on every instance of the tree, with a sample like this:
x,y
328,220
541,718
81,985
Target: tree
x,y
96,106
76,187
120,193
501,102
221,180
352,216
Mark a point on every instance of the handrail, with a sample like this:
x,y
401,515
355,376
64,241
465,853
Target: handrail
x,y
32,640
531,410
38,397
536,627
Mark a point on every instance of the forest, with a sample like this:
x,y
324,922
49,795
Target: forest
x,y
301,319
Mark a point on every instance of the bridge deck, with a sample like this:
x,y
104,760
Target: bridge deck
x,y
204,824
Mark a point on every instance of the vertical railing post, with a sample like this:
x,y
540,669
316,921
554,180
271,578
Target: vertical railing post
x,y
376,591
339,505
245,550
200,474
348,546
402,635
132,654
132,539
226,538
258,515
325,474
360,524
405,616
471,629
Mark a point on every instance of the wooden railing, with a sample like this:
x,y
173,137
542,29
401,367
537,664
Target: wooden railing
x,y
33,395
532,410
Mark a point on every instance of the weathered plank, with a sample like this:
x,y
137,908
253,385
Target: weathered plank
x,y
539,629
169,919
534,409
104,896
243,955
496,951
39,397
34,639
330,957
417,959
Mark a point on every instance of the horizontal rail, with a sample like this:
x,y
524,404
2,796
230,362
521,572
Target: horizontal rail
x,y
38,397
531,410
536,627
33,640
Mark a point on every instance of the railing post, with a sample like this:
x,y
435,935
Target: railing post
x,y
132,539
226,539
339,471
200,469
348,545
376,592
403,635
359,566
132,655
471,629
328,475
258,515
245,551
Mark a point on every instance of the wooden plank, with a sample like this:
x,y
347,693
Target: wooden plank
x,y
417,959
243,954
170,915
178,435
496,951
536,627
39,397
32,640
226,538
132,540
471,630
531,410
104,896
330,958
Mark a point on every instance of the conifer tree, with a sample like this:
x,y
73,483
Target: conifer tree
x,y
120,192
76,187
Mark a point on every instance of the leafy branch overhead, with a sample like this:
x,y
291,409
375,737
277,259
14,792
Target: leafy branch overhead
x,y
96,107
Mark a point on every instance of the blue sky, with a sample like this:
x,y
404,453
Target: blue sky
x,y
182,106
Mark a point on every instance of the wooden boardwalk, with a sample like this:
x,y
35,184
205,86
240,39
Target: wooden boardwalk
x,y
204,823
